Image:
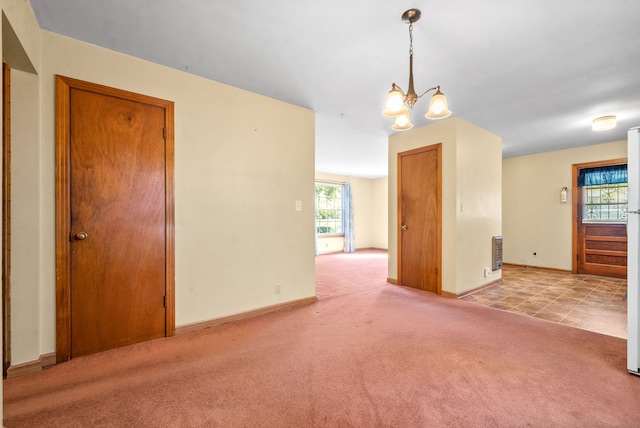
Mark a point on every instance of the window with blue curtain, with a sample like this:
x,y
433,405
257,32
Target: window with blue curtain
x,y
604,193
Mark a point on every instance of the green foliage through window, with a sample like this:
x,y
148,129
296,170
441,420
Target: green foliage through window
x,y
329,209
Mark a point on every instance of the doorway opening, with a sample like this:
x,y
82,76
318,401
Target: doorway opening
x,y
599,218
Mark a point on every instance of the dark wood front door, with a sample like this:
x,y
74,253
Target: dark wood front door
x,y
602,250
420,218
120,218
599,248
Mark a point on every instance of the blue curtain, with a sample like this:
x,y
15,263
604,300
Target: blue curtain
x,y
347,212
316,240
613,174
315,221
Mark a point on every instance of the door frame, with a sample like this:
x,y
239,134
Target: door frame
x,y
577,198
438,148
63,205
6,217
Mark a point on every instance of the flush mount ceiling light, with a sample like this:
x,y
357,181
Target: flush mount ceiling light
x,y
399,103
603,123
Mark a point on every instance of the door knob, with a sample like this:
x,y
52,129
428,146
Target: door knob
x,y
81,236
404,227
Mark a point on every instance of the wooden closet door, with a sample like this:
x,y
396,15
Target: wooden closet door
x,y
119,221
420,218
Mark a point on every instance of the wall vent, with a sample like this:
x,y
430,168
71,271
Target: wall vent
x,y
496,253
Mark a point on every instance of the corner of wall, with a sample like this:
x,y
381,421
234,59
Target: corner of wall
x,y
478,205
21,36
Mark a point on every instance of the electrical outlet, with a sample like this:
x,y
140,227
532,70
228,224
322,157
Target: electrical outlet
x,y
277,289
487,272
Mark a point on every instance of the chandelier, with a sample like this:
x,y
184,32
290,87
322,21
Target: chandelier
x,y
399,103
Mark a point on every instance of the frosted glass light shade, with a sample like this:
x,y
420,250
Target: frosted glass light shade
x,y
402,122
395,104
438,108
603,123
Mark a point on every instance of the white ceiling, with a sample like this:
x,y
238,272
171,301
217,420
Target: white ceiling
x,y
535,72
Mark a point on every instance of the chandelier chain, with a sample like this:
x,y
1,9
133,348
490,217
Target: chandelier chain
x,y
411,39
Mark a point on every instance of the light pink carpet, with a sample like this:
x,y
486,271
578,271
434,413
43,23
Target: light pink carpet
x,y
367,354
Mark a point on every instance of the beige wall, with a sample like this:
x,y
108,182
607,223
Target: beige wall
x,y
26,47
241,163
380,213
534,220
478,204
471,176
22,48
26,230
369,203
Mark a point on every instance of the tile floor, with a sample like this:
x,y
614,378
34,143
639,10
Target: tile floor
x,y
589,302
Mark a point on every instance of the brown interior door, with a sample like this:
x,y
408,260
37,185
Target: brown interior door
x,y
420,219
118,234
600,248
